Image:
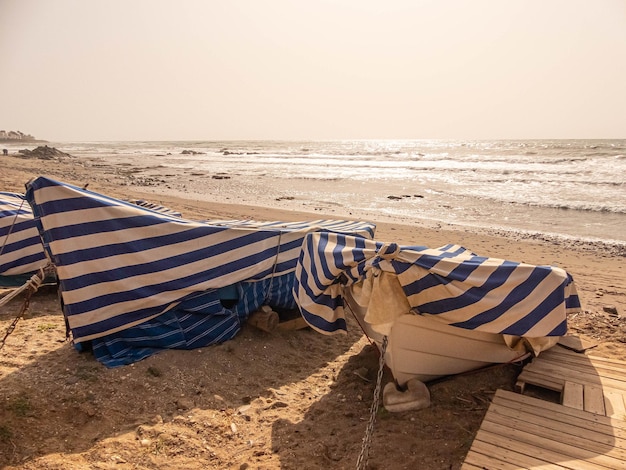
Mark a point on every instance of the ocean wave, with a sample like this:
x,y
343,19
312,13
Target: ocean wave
x,y
564,206
583,178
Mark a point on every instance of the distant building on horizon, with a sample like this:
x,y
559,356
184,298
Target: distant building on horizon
x,y
15,135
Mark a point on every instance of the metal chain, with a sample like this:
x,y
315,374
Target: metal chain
x,y
31,286
361,463
20,314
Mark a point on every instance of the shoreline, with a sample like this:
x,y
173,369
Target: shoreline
x,y
418,196
612,247
111,179
385,202
22,141
224,191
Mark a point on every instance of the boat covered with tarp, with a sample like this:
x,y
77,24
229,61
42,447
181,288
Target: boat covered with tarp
x,y
21,251
134,281
444,311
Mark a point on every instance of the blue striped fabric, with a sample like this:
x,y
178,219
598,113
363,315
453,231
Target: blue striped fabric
x,y
451,283
155,207
120,265
196,322
21,250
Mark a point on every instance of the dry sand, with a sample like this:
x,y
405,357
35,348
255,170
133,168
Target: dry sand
x,y
289,400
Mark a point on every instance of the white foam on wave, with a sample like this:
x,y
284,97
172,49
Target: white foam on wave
x,y
571,187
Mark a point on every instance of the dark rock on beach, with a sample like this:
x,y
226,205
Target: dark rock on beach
x,y
44,153
397,198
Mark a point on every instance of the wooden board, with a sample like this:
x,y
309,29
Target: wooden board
x,y
573,395
587,382
524,432
293,324
576,343
615,404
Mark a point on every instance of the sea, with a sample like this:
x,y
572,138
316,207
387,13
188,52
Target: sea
x,y
564,188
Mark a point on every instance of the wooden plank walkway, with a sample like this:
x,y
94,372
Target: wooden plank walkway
x,y
586,431
521,432
585,382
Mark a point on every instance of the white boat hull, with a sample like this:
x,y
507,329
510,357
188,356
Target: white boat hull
x,y
425,349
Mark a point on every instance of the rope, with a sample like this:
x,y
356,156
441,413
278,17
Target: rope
x,y
361,463
348,307
32,285
269,288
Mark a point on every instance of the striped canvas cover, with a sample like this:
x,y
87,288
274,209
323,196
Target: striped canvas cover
x,y
21,250
155,207
450,283
198,321
120,265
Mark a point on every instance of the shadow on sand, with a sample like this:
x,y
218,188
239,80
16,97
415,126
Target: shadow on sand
x,y
437,437
293,399
56,400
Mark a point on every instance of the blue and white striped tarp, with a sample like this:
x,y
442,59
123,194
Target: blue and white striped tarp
x,y
120,265
155,207
449,283
21,250
205,318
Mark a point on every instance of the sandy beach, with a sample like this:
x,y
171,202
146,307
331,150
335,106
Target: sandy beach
x,y
288,400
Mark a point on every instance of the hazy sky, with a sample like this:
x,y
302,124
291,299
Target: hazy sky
x,y
315,69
